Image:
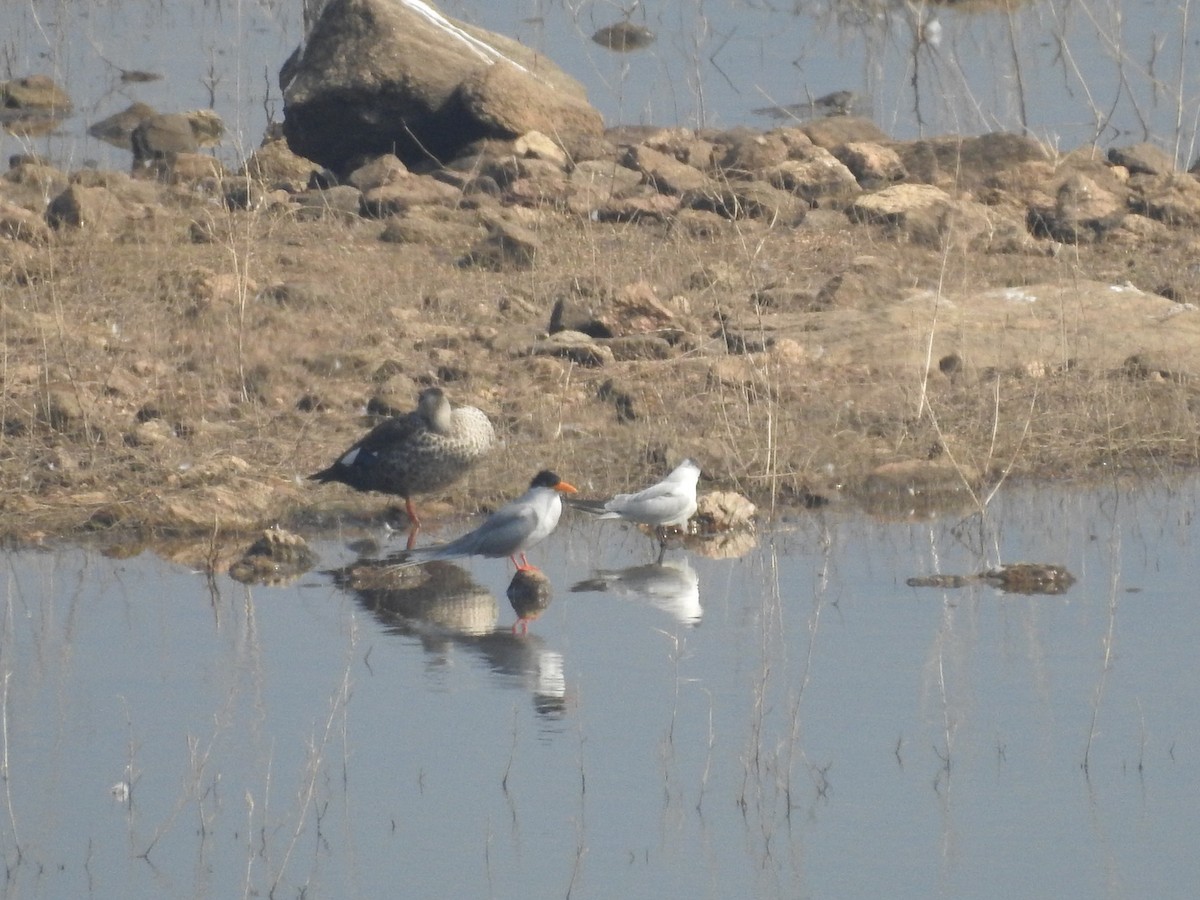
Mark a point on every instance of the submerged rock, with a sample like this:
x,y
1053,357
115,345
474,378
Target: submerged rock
x,y
624,37
530,593
1015,578
276,558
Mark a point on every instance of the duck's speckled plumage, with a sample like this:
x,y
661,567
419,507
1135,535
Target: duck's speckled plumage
x,y
419,452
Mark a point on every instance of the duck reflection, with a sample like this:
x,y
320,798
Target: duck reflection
x,y
443,606
671,586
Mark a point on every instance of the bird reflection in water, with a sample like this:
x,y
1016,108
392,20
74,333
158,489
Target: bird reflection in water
x,y
671,586
442,605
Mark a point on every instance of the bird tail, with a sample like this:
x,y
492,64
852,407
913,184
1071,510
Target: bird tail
x,y
416,557
593,507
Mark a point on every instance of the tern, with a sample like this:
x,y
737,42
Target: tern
x,y
671,502
419,452
510,530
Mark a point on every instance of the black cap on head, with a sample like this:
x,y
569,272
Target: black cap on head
x,y
545,478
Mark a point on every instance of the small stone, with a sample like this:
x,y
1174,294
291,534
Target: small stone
x,y
725,511
276,558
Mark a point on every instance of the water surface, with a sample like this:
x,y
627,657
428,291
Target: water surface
x,y
1065,72
796,722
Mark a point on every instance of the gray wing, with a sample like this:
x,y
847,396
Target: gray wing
x,y
503,534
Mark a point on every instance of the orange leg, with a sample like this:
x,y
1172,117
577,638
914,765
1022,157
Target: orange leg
x,y
524,565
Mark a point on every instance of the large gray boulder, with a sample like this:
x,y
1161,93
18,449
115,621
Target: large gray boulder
x,y
396,76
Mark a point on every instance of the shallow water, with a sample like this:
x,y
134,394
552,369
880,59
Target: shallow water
x,y
1065,72
801,723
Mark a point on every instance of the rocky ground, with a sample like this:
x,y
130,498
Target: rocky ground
x,y
816,314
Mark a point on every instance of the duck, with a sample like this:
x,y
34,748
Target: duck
x,y
420,452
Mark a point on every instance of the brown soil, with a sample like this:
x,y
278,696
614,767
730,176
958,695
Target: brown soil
x,y
159,386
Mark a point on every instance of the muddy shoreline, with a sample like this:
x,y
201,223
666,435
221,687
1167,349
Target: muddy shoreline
x,y
176,364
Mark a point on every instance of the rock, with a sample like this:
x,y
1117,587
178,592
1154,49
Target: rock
x,y
276,558
545,184
873,165
118,128
1015,578
639,346
750,155
1171,199
19,264
724,511
866,284
646,205
1142,159
46,180
535,145
33,92
530,593
404,191
382,170
683,145
512,99
603,178
1030,578
22,225
916,488
821,175
1143,366
637,310
892,205
276,165
189,168
298,295
750,199
424,225
207,126
507,247
158,141
924,213
837,103
634,309
244,193
1083,212
624,37
665,173
151,433
340,202
59,406
837,130
85,207
376,76
971,162
574,346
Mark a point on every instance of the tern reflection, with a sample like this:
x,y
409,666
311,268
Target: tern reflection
x,y
672,586
443,606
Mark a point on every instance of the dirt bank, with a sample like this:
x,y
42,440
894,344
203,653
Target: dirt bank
x,y
176,367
